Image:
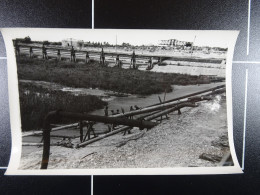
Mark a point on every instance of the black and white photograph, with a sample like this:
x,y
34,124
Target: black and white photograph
x,y
121,101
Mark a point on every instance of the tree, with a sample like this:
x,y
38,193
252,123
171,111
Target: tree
x,y
27,39
46,43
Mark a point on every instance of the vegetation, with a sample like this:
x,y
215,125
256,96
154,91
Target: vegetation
x,y
36,102
28,40
94,76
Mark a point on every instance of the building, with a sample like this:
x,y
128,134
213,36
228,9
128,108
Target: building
x,y
174,43
72,42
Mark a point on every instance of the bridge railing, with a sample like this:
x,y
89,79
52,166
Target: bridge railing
x,y
157,56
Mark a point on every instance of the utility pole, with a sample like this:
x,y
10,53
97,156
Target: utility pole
x,y
116,44
192,45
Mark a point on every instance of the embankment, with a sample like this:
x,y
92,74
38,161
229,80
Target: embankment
x,y
107,78
177,142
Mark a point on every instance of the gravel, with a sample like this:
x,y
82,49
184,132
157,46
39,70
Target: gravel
x,y
176,142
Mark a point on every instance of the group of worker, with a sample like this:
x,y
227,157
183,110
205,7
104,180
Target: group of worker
x,y
132,108
72,54
87,59
103,62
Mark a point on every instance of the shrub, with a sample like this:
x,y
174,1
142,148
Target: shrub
x,y
93,75
36,102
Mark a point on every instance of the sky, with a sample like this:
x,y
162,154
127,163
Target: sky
x,y
134,37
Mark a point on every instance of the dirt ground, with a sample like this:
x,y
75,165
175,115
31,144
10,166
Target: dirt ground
x,y
176,142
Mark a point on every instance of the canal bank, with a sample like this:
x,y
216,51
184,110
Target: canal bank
x,y
121,103
177,142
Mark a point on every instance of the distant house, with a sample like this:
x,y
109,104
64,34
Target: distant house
x,y
72,42
175,43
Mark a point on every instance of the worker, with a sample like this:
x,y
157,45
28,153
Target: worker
x,y
150,63
128,131
113,125
73,54
131,109
137,108
44,52
133,61
106,111
58,55
117,111
117,61
159,61
31,52
87,58
102,57
106,114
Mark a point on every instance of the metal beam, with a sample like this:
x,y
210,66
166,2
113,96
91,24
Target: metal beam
x,y
190,95
55,115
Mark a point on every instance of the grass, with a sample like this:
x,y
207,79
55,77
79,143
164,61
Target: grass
x,y
36,102
93,75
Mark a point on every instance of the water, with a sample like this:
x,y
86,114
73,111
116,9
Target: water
x,y
75,91
143,101
119,103
115,103
126,102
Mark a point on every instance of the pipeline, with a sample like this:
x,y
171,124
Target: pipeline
x,y
103,136
161,106
55,115
193,94
118,119
188,104
53,129
149,117
170,103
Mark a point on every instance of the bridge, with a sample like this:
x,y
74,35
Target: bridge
x,y
107,57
